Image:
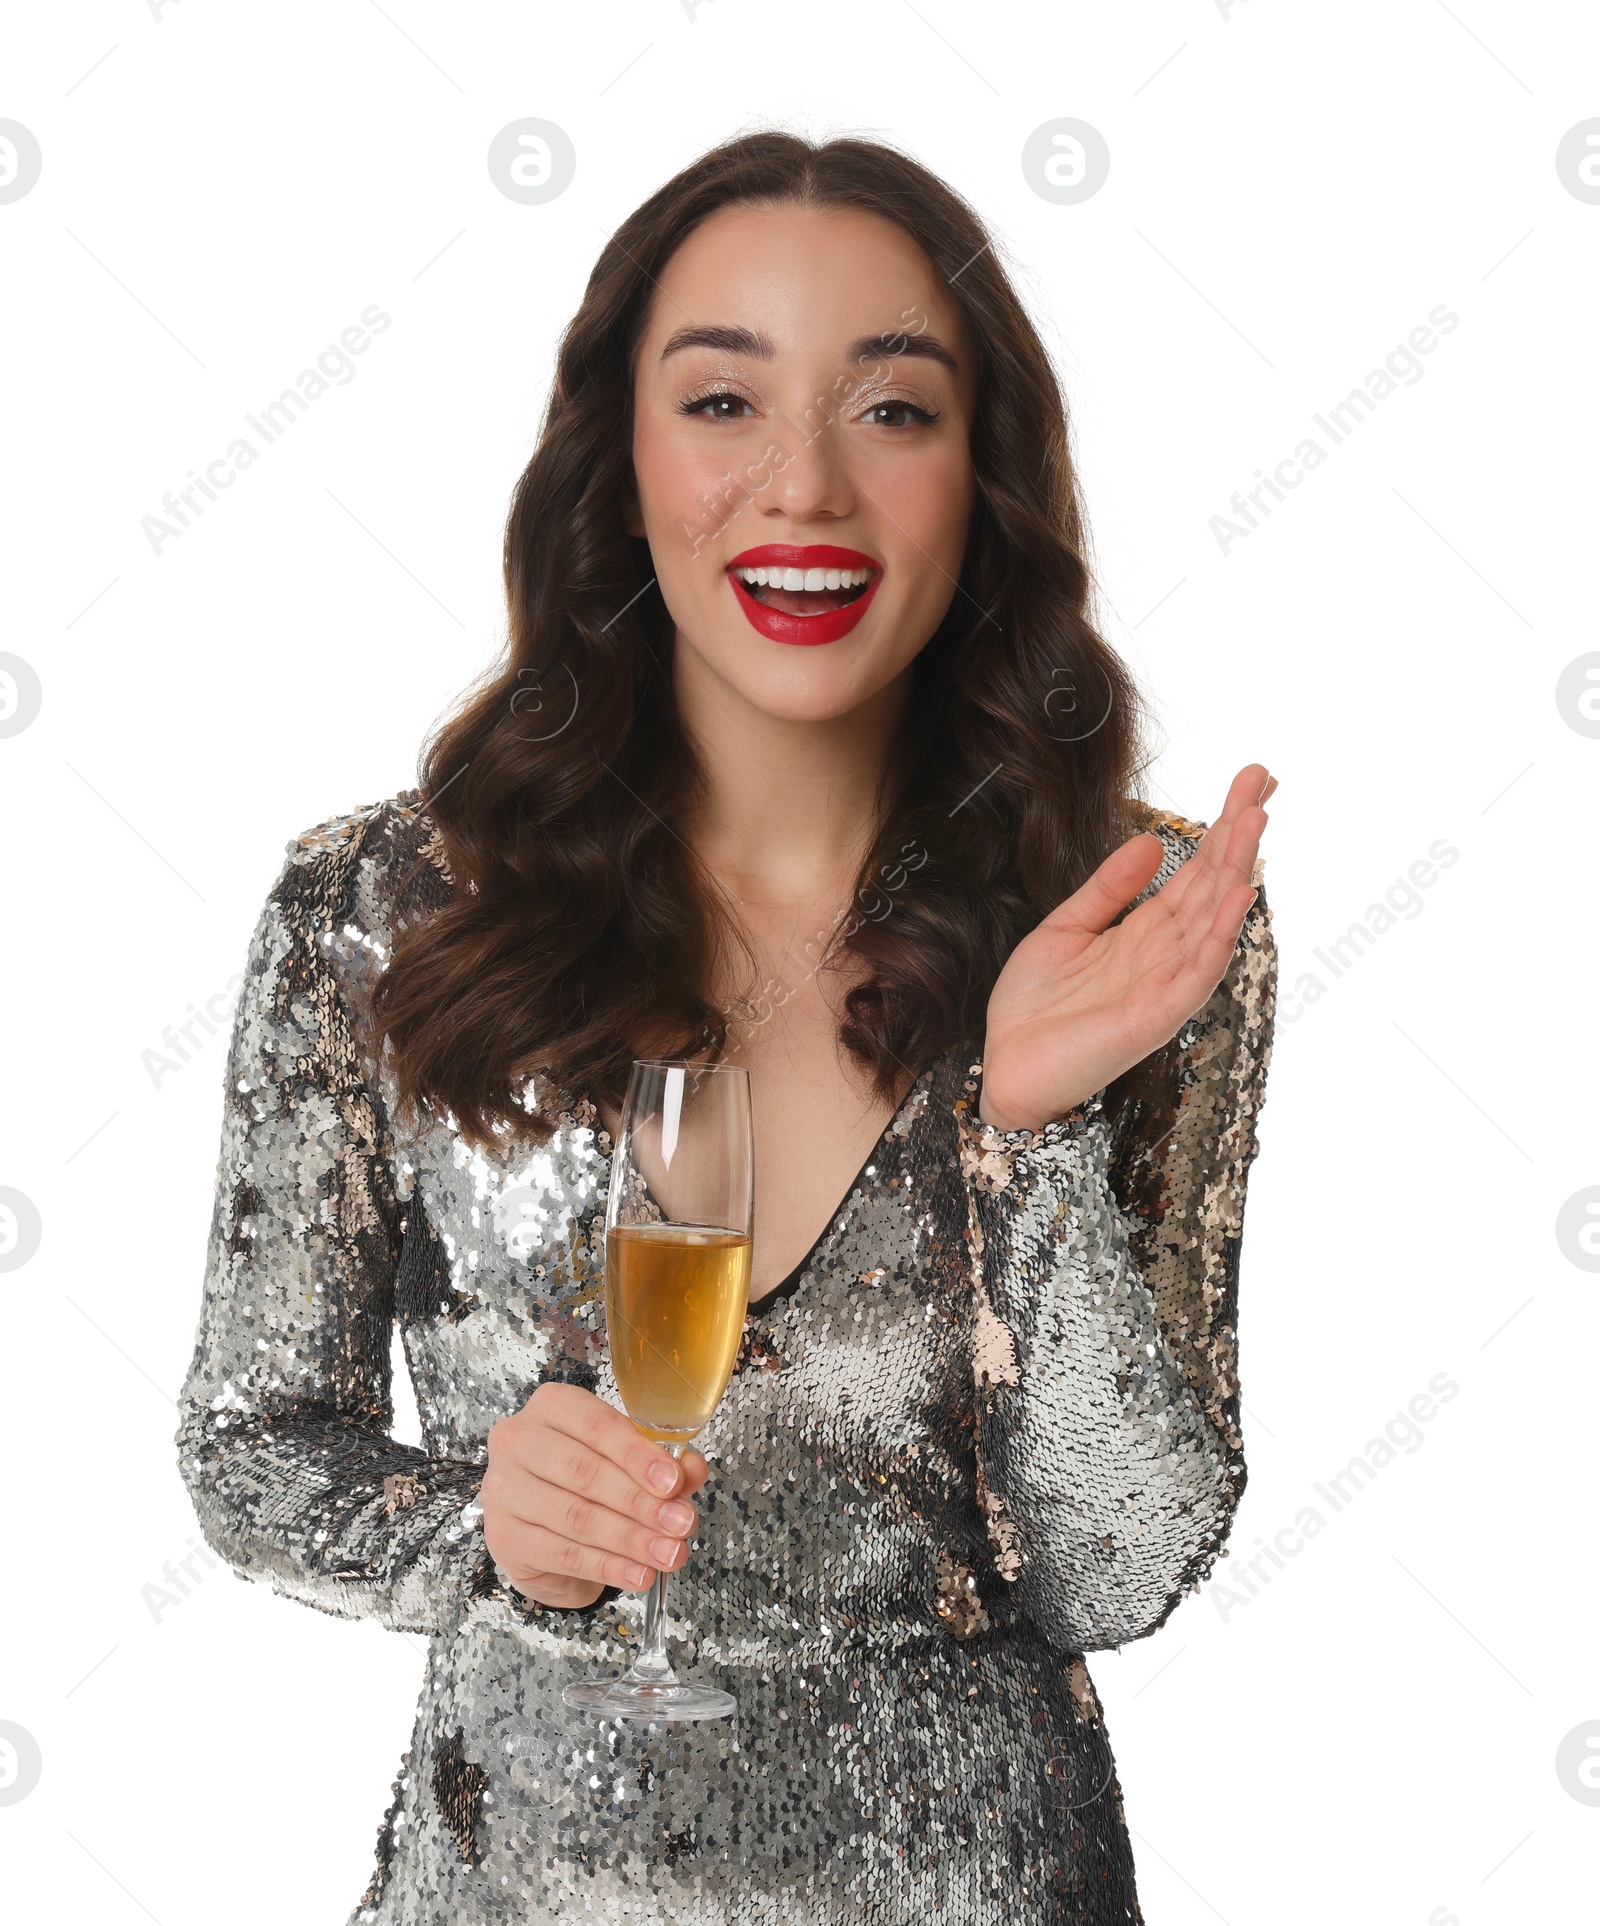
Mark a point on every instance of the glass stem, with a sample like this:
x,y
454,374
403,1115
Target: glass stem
x,y
652,1666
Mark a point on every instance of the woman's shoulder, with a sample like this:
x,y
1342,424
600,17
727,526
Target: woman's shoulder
x,y
356,866
399,822
393,827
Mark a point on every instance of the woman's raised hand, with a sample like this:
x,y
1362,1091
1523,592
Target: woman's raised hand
x,y
577,1498
1080,1001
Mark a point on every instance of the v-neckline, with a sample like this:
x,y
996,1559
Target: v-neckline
x,y
787,1286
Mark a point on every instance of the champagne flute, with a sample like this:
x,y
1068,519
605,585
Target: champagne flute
x,y
678,1241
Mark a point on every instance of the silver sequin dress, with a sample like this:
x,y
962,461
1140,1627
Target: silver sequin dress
x,y
991,1425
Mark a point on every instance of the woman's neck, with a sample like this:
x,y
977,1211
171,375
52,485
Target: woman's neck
x,y
789,808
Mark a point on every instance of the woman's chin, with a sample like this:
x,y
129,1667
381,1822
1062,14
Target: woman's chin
x,y
819,683
803,690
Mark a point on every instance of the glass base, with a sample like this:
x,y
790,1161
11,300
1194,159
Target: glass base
x,y
622,1698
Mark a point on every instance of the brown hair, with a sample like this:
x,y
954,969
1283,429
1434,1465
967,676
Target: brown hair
x,y
576,925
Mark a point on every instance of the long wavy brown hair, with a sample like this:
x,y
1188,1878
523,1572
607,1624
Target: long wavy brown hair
x,y
576,925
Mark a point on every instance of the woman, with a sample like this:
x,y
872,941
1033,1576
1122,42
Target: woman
x,y
806,754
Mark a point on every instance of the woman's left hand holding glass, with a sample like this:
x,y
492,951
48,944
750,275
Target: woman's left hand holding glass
x,y
1084,998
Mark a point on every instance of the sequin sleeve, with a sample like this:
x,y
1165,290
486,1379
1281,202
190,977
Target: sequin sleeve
x,y
1109,1458
286,1407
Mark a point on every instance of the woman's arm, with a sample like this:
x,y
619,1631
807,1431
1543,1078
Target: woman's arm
x,y
286,1408
1109,1455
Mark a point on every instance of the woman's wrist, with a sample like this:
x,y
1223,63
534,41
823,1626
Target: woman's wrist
x,y
998,1110
989,1110
993,1114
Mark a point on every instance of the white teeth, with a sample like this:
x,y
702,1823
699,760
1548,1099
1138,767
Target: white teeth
x,y
810,578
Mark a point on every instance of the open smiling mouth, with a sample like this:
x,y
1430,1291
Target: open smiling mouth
x,y
804,595
805,592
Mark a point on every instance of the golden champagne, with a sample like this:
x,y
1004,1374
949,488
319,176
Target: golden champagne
x,y
676,1296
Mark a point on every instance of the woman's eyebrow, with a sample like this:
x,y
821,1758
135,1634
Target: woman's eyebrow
x,y
869,347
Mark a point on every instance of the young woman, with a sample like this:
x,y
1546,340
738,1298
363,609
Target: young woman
x,y
806,755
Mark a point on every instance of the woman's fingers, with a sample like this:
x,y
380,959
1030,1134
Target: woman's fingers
x,y
1205,949
574,1494
533,1553
565,1464
1225,857
1244,795
656,1542
1227,851
1223,935
651,1531
1200,915
563,1524
605,1430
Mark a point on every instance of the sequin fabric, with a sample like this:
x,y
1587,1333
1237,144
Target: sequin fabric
x,y
993,1426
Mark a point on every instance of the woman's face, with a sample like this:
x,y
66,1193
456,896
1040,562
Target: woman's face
x,y
773,432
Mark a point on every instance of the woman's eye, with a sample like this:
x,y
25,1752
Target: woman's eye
x,y
921,415
713,406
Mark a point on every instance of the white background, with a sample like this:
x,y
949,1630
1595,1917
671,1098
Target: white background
x,y
1292,190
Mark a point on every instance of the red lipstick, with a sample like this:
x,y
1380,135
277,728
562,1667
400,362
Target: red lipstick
x,y
779,625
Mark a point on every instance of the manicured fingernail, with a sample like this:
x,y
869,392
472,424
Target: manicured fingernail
x,y
663,1474
638,1576
665,1551
677,1517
